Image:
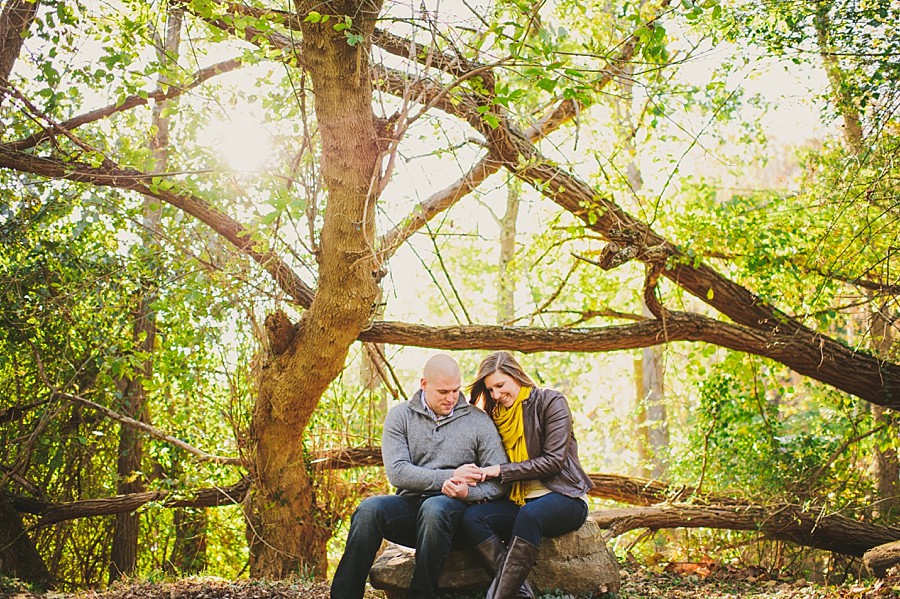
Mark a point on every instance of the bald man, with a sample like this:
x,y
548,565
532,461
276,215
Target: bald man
x,y
432,446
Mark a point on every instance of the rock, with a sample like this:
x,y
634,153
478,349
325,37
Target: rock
x,y
577,563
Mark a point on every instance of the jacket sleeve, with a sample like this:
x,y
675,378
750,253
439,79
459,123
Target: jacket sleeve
x,y
398,465
556,424
490,453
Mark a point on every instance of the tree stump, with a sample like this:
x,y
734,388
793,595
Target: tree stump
x,y
578,563
880,559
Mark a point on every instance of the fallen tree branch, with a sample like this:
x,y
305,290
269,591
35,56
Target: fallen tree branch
x,y
641,491
879,559
51,513
808,527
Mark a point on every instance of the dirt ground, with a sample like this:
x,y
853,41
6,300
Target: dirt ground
x,y
681,581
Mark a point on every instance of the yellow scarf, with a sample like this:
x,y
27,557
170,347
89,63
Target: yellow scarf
x,y
510,424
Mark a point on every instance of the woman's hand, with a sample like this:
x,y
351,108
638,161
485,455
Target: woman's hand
x,y
490,472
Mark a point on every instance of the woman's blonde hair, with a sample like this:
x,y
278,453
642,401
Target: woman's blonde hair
x,y
501,361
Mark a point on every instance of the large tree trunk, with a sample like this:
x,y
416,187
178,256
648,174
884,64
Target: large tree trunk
x,y
287,535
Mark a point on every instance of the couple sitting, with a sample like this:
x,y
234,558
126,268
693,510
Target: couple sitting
x,y
448,460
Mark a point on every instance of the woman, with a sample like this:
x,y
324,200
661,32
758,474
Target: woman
x,y
548,485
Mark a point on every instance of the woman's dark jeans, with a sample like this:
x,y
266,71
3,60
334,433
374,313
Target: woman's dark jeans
x,y
550,515
425,523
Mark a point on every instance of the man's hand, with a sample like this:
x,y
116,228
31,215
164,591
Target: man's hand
x,y
457,488
470,473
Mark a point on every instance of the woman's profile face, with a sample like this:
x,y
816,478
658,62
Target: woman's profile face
x,y
503,388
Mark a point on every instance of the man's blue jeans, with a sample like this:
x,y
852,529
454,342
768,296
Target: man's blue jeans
x,y
550,515
425,523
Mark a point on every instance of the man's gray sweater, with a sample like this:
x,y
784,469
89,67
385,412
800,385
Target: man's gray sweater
x,y
420,453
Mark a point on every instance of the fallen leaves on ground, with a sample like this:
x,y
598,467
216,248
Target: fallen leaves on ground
x,y
681,581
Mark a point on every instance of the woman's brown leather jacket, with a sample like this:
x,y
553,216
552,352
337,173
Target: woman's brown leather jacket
x,y
552,449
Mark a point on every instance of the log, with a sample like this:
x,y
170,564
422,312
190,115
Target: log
x,y
879,559
664,507
51,513
784,522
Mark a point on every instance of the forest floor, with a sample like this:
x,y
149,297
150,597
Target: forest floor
x,y
693,581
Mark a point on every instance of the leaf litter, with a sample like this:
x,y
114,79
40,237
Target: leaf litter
x,y
675,581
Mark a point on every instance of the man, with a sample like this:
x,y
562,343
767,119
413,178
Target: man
x,y
432,447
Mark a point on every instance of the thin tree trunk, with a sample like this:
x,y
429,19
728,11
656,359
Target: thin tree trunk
x,y
123,556
506,285
652,423
886,463
189,550
841,96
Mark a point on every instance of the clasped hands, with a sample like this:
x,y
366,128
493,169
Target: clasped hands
x,y
467,475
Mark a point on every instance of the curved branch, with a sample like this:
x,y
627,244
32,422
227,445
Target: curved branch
x,y
111,175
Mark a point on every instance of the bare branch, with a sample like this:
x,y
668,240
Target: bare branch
x,y
152,431
130,102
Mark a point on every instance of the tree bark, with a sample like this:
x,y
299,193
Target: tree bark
x,y
879,559
779,522
829,361
506,284
123,555
15,20
286,534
